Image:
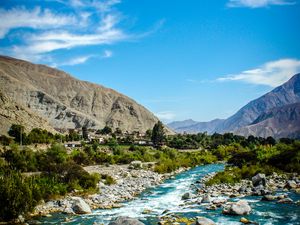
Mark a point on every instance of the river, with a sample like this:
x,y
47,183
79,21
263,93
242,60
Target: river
x,y
167,196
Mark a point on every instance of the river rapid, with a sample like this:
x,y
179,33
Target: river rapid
x,y
150,205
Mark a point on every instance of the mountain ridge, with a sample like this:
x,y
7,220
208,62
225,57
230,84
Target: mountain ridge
x,y
67,102
285,94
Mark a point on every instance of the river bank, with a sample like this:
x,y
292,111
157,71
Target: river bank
x,y
165,203
130,181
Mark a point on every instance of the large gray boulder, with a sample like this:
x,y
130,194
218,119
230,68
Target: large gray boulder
x,y
204,221
123,220
238,208
80,206
259,179
291,184
186,196
206,199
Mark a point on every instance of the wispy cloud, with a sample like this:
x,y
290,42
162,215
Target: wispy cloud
x,y
194,81
83,59
107,54
166,115
36,18
75,61
272,73
87,23
258,3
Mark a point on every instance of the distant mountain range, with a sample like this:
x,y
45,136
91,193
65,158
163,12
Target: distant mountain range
x,y
276,114
35,95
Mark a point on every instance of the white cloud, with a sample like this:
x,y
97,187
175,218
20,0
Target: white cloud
x,y
258,3
36,18
77,60
88,22
38,44
107,54
271,74
166,115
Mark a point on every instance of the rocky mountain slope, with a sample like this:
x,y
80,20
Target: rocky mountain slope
x,y
278,122
197,127
184,123
240,122
67,102
11,112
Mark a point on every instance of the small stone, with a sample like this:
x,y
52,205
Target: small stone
x,y
285,200
211,207
244,220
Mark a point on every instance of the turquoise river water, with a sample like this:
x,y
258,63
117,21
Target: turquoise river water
x,y
167,196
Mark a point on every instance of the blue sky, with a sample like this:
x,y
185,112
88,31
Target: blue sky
x,y
180,59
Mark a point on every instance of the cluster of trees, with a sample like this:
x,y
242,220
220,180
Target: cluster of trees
x,y
59,172
205,141
18,135
57,175
245,162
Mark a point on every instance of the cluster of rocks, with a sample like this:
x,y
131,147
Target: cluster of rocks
x,y
131,180
259,185
218,196
128,185
172,218
69,205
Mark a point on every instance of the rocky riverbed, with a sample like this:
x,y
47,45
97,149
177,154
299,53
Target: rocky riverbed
x,y
184,199
131,180
271,188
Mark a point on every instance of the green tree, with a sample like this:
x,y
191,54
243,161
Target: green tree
x,y
106,130
17,131
158,134
85,133
15,197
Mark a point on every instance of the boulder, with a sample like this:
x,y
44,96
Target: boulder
x,y
123,220
269,198
219,201
238,208
186,196
136,165
291,184
206,199
211,207
242,189
80,206
285,200
204,221
259,179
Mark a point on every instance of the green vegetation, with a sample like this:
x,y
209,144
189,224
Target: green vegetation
x,y
170,160
158,134
58,175
246,162
55,172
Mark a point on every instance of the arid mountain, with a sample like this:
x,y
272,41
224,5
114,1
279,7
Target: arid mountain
x,y
12,113
196,127
242,122
286,94
278,122
184,123
67,102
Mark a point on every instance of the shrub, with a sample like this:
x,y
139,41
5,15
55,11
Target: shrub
x,y
16,196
